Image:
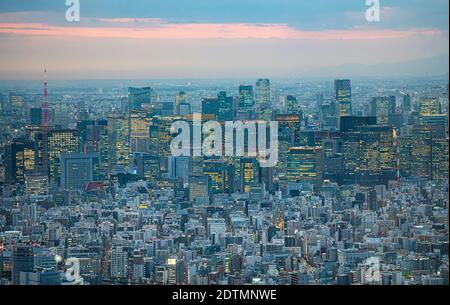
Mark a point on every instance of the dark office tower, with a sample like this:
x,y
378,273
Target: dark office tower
x,y
439,159
319,101
160,139
97,142
332,160
58,142
35,116
406,106
20,159
225,111
220,174
369,155
220,108
429,106
292,105
139,97
351,123
305,164
382,108
180,98
2,103
78,169
1,255
343,97
82,127
210,107
118,142
22,261
249,170
246,98
147,167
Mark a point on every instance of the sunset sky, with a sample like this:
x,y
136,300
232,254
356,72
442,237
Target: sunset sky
x,y
218,38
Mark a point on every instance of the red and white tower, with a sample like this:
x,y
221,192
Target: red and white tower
x,y
45,112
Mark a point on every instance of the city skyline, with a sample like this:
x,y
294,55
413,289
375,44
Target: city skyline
x,y
199,145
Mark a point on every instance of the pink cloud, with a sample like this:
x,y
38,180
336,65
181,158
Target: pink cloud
x,y
156,29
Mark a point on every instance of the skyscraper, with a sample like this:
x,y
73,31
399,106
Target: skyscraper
x,y
249,172
382,108
199,189
305,164
263,92
77,169
22,261
429,106
36,116
246,98
139,131
58,142
369,155
179,168
292,105
343,93
220,176
139,98
20,159
118,141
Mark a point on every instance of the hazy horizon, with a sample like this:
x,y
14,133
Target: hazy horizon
x,y
200,39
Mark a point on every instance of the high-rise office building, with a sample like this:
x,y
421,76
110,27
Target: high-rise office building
x,y
226,107
22,261
36,185
246,98
139,98
179,168
382,108
343,93
351,123
20,159
147,167
160,139
249,174
97,142
118,142
305,164
263,92
139,131
221,176
78,169
429,106
292,105
58,142
36,116
439,159
407,105
199,189
369,155
220,108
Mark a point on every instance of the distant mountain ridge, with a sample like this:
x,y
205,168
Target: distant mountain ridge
x,y
426,67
